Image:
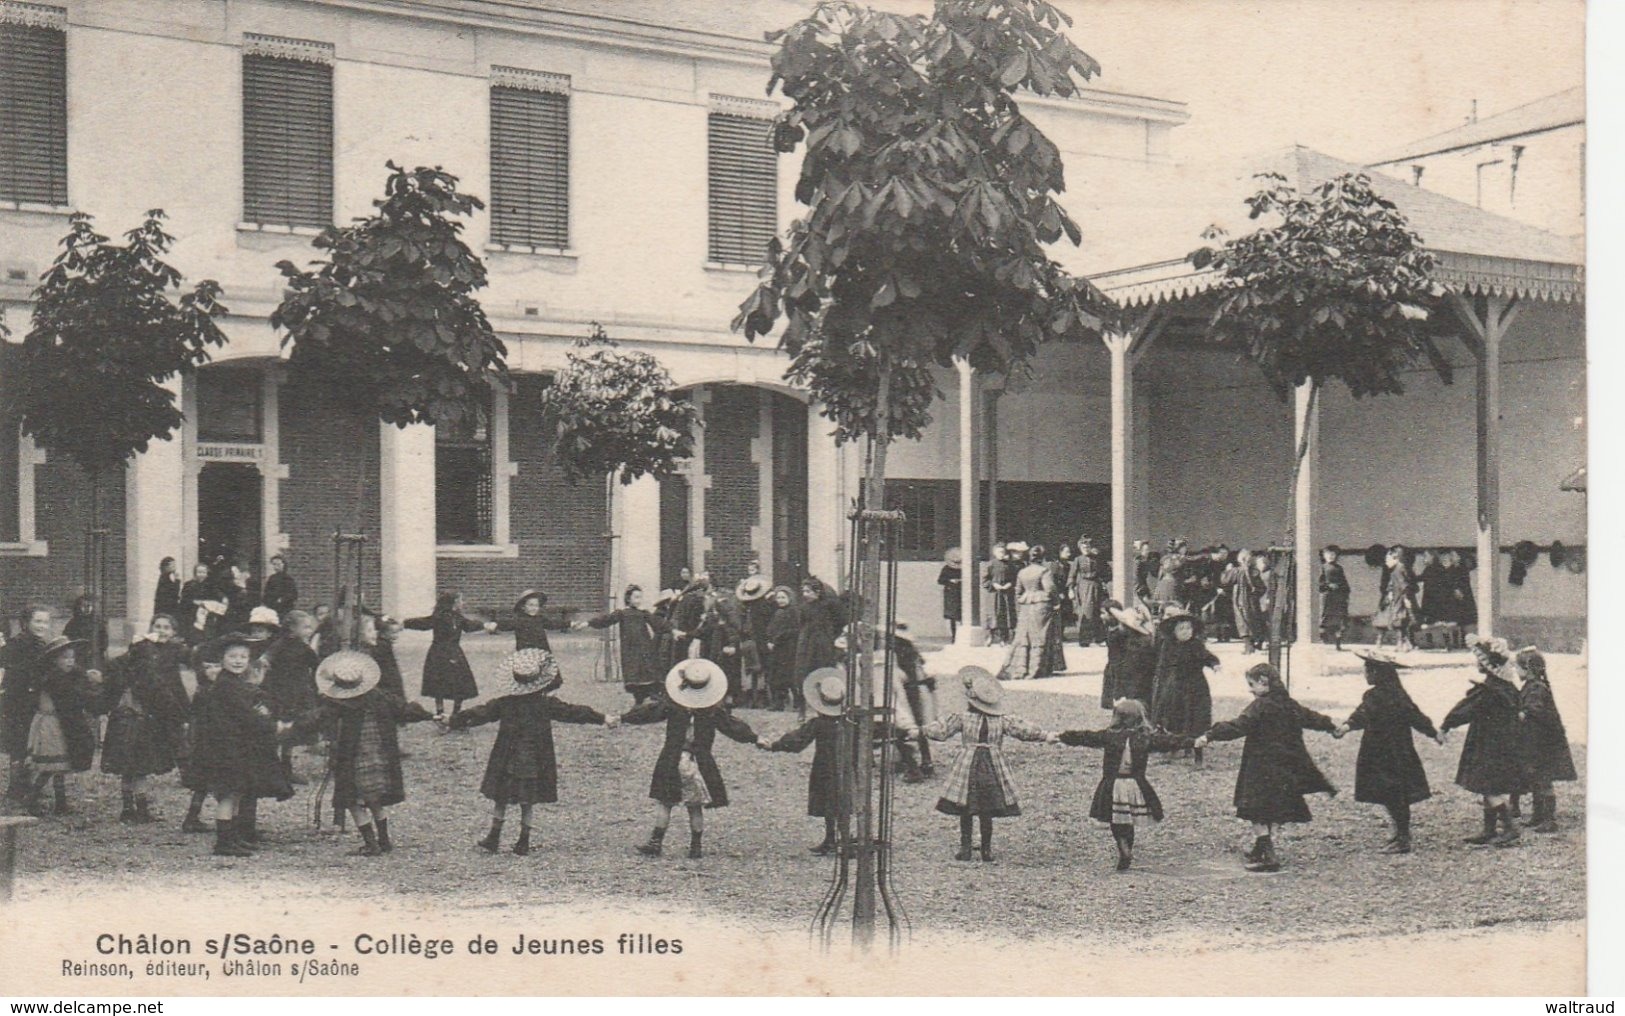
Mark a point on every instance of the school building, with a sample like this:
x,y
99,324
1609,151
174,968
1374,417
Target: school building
x,y
622,152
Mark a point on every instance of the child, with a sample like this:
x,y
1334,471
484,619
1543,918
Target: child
x,y
522,768
825,694
1388,771
1546,756
446,673
19,697
146,702
1334,599
529,627
979,783
234,744
1276,770
1181,702
206,669
640,633
378,635
1490,765
366,756
60,737
290,678
686,772
1124,795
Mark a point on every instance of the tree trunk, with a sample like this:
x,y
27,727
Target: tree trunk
x,y
869,600
96,568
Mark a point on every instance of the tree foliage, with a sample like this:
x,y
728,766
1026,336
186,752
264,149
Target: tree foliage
x,y
930,199
108,329
390,312
1336,287
613,413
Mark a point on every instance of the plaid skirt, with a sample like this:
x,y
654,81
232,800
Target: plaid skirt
x,y
373,771
1128,804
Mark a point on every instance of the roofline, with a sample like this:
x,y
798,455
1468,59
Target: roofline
x,y
1424,153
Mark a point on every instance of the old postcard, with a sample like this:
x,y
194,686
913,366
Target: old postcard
x,y
658,497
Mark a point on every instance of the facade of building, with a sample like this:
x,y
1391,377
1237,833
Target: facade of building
x,y
623,155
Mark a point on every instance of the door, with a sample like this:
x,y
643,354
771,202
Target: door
x,y
229,517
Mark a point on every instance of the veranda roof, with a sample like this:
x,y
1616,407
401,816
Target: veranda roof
x,y
1550,112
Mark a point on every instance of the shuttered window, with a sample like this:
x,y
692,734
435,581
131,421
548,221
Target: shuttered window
x,y
530,167
744,185
33,114
287,141
463,478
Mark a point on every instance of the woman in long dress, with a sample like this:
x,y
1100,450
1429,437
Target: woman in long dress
x,y
1035,608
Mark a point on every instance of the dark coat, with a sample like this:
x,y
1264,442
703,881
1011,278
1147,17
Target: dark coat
x,y
1113,742
783,637
1181,702
1138,673
73,699
290,677
640,631
240,603
389,668
1002,573
1276,770
686,616
696,732
147,707
234,747
529,632
446,673
1112,682
280,593
1491,757
1387,770
1334,597
522,768
19,692
166,598
823,733
1545,744
821,621
88,628
347,717
952,579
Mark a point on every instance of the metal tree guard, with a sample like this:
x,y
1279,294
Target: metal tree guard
x,y
1283,593
349,557
863,861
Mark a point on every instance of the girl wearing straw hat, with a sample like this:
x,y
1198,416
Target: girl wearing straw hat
x,y
1124,795
1388,771
529,626
979,783
366,756
686,772
523,768
825,693
234,754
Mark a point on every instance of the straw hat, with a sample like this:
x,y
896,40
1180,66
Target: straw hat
x,y
1016,546
750,588
1379,655
525,672
1133,617
262,623
519,604
696,684
60,644
825,691
346,675
983,691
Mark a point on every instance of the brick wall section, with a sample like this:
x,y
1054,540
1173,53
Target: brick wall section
x,y
331,451
674,529
731,422
559,528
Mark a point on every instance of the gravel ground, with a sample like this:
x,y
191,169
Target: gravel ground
x,y
1053,876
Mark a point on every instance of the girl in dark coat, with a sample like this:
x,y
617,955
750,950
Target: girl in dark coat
x,y
528,626
952,579
783,632
146,705
1181,702
290,679
640,633
1124,795
1334,599
61,739
19,696
1388,771
1397,607
1544,742
380,644
821,617
826,695
1116,638
166,598
523,769
1137,674
234,754
1001,589
686,772
1491,763
446,674
1276,770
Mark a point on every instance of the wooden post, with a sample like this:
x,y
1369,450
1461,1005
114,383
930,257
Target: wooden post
x,y
9,824
971,559
1487,319
1306,428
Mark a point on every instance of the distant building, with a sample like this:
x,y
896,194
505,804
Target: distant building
x,y
1527,163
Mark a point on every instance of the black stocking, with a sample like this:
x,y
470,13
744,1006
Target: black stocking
x,y
986,822
964,830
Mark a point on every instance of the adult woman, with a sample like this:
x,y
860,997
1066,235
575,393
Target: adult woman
x,y
821,620
782,635
1029,655
146,704
241,599
1397,608
446,673
1000,586
1088,585
640,631
952,579
1061,567
166,599
280,592
1242,581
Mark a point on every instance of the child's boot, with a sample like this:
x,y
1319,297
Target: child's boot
x,y
657,836
248,823
1257,851
369,841
127,812
493,839
521,846
59,792
1509,834
987,846
225,840
193,822
385,845
143,811
1267,861
1488,833
1547,809
964,845
694,850
828,845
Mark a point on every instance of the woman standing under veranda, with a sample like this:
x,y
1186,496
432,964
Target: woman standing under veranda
x,y
952,579
1035,591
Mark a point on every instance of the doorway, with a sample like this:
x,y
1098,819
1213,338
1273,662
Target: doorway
x,y
229,515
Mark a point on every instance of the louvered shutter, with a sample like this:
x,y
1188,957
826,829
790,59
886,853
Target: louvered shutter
x,y
287,141
33,114
743,188
530,167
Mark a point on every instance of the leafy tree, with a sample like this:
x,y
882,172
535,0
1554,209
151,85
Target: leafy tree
x,y
930,201
389,313
1336,287
107,332
612,413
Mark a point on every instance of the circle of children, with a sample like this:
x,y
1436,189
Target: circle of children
x,y
269,676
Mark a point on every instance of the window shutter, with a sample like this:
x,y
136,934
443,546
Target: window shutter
x,y
33,114
287,141
744,185
530,167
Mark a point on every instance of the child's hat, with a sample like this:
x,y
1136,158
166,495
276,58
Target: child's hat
x,y
347,674
696,684
526,672
1382,656
751,588
58,645
825,691
983,692
536,594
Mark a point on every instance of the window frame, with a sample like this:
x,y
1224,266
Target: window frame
x,y
49,18
271,47
735,108
543,83
503,470
28,543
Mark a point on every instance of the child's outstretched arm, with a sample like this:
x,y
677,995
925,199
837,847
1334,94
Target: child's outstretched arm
x,y
1022,730
1084,738
485,712
1161,740
940,729
1230,730
795,740
569,712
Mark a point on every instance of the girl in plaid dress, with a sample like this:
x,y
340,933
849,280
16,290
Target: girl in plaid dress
x,y
1124,796
979,783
